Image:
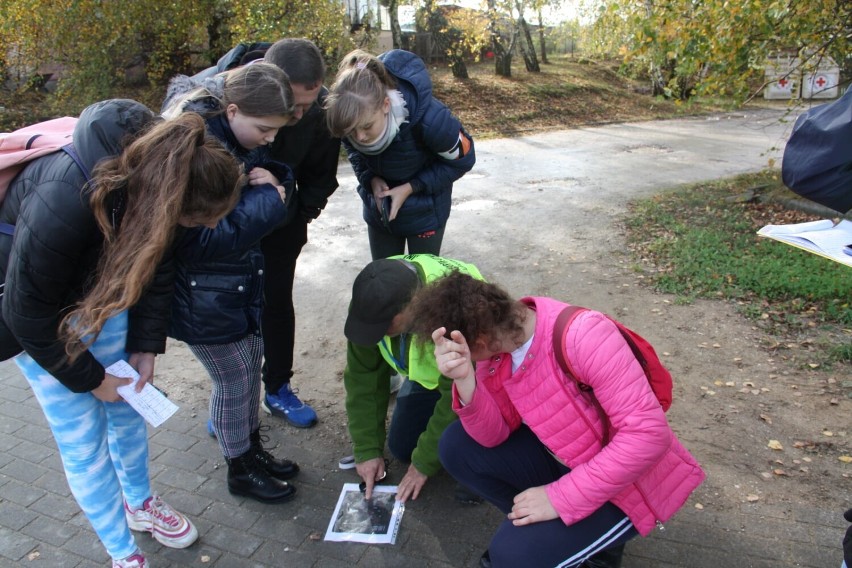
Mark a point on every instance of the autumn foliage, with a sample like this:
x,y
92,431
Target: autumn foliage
x,y
96,44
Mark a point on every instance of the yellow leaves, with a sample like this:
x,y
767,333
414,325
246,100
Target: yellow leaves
x,y
845,459
775,445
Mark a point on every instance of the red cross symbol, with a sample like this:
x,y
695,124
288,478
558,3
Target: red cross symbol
x,y
782,82
821,81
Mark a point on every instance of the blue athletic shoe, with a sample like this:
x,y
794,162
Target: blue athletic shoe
x,y
287,405
210,429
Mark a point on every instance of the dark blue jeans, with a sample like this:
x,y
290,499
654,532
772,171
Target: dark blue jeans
x,y
498,474
415,405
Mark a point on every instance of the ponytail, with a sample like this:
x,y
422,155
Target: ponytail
x,y
173,170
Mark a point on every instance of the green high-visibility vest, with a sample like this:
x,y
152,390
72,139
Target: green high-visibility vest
x,y
418,363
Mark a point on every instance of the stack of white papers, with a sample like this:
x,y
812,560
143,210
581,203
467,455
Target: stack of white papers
x,y
819,237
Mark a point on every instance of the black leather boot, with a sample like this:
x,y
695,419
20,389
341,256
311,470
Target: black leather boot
x,y
279,469
609,558
248,478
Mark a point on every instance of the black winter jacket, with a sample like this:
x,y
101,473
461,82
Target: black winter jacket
x,y
49,263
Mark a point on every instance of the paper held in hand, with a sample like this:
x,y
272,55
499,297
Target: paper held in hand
x,y
151,404
819,237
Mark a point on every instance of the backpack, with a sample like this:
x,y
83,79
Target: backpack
x,y
26,144
658,376
17,149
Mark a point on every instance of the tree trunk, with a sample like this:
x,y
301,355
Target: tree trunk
x,y
459,68
502,55
528,47
655,72
541,40
396,31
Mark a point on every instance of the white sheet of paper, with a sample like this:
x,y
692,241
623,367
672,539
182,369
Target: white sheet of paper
x,y
150,403
357,520
819,237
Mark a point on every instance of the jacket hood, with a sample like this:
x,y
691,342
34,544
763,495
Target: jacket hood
x,y
181,85
105,127
413,80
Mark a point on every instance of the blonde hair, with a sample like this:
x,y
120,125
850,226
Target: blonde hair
x,y
173,170
258,89
360,87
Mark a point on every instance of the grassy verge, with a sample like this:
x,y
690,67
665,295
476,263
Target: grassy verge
x,y
700,242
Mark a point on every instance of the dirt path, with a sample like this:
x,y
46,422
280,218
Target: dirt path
x,y
540,216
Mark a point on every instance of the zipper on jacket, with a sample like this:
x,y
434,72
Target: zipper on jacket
x,y
657,520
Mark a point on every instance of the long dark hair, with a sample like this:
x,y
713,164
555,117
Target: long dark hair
x,y
173,170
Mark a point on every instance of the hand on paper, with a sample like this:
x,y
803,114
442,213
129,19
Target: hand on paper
x,y
106,391
370,471
532,506
411,484
144,365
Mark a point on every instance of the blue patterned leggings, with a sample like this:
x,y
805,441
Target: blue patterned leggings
x,y
103,445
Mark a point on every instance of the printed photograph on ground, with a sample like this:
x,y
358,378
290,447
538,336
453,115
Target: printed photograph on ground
x,y
358,519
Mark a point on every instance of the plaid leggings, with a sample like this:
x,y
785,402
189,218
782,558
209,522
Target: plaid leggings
x,y
235,397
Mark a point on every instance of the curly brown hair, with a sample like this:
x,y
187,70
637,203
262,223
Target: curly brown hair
x,y
476,308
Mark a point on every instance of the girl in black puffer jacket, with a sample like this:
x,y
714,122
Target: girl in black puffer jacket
x,y
219,288
88,277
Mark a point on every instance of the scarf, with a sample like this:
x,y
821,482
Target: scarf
x,y
397,114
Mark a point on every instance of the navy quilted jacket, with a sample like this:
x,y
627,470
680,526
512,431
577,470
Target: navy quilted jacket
x,y
413,154
219,286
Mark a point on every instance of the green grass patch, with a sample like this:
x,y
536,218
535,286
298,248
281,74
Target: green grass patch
x,y
700,241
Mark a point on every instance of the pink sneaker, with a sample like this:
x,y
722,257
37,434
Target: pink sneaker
x,y
135,560
166,525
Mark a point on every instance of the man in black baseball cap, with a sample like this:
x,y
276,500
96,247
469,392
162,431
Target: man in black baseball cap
x,y
380,292
378,345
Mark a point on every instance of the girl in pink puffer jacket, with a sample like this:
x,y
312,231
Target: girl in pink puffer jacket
x,y
529,441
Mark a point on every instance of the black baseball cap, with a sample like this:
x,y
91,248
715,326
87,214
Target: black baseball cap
x,y
380,292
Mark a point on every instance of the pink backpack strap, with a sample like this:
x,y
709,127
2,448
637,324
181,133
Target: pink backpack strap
x,y
560,331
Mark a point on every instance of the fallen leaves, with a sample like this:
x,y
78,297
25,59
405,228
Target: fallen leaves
x,y
775,445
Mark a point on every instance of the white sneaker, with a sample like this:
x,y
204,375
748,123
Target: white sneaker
x,y
135,560
346,462
166,525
